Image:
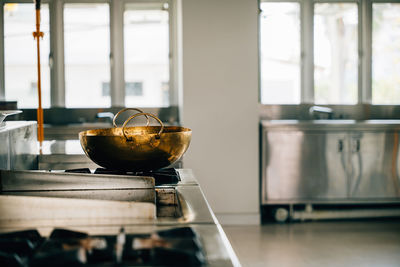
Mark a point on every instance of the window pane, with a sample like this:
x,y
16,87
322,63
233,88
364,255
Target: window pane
x,y
20,55
386,54
146,37
280,53
87,50
335,53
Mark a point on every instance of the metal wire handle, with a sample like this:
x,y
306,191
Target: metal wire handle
x,y
125,109
143,114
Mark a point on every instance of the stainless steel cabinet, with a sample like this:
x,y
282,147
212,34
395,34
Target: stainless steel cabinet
x,y
333,161
4,150
301,165
18,145
373,169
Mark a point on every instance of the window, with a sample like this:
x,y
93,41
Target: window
x,y
336,45
131,88
146,46
335,53
87,50
386,53
165,91
20,55
280,53
134,89
101,53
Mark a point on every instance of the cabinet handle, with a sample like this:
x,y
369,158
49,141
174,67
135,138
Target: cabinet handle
x,y
356,145
340,146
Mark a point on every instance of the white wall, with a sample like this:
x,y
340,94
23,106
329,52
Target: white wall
x,y
220,103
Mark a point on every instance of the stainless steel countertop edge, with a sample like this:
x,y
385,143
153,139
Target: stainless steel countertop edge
x,y
12,125
343,125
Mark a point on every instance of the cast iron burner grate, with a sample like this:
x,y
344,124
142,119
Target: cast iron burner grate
x,y
173,247
163,176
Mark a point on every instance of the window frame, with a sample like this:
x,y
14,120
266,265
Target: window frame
x,y
117,79
364,96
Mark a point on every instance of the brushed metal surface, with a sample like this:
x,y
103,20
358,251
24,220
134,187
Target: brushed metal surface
x,y
24,148
190,199
193,208
332,125
15,209
45,180
142,195
334,161
373,170
354,112
4,151
216,245
19,147
300,165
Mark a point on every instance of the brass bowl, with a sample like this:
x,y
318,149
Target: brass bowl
x,y
139,148
110,149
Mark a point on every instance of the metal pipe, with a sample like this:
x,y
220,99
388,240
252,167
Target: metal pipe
x,y
37,36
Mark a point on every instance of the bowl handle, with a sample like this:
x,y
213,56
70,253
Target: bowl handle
x,y
125,109
143,114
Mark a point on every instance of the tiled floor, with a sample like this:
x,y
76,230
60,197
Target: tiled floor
x,y
341,243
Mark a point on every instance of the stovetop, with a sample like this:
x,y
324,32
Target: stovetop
x,y
173,247
175,204
185,198
163,176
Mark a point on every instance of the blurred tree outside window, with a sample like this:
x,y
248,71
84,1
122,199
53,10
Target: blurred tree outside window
x,y
335,32
20,55
335,53
146,53
280,53
386,53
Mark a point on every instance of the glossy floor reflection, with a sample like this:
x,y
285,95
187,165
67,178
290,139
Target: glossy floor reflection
x,y
341,243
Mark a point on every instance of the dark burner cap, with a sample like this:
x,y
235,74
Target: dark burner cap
x,y
66,234
108,171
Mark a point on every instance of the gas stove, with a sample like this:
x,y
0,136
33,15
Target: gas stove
x,y
63,247
166,197
100,202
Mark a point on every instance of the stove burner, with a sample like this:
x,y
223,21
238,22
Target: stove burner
x,y
163,176
15,247
174,247
107,171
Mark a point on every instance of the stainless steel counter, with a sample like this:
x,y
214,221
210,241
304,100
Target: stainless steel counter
x,y
330,162
194,209
18,145
217,248
336,125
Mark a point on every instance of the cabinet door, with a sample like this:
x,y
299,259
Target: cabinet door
x,y
373,171
23,148
4,150
300,165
